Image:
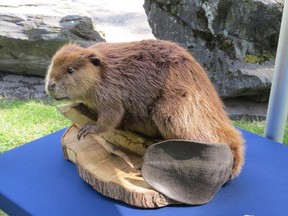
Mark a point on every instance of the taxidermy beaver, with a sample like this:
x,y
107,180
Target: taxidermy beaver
x,y
151,87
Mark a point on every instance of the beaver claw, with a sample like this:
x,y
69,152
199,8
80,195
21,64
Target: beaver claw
x,y
87,129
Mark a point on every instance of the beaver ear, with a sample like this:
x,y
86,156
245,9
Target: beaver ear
x,y
94,60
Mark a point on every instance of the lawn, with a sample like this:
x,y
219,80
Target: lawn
x,y
23,121
257,127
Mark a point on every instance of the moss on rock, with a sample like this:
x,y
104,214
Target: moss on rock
x,y
257,59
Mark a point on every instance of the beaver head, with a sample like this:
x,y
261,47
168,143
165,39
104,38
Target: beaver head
x,y
72,73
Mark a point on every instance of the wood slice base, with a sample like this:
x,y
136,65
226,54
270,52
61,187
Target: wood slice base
x,y
109,174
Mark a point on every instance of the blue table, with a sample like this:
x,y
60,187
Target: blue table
x,y
35,179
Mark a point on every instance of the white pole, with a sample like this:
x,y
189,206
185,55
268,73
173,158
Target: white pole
x,y
278,102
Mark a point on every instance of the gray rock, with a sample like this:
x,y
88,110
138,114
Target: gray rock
x,y
14,86
31,31
235,41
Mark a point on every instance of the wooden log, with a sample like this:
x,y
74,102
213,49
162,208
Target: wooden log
x,y
125,140
106,173
109,174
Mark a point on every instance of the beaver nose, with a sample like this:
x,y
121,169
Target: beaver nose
x,y
51,86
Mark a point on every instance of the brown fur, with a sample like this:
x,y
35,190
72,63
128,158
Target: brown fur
x,y
151,87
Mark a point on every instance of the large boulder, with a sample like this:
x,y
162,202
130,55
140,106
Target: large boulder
x,y
32,30
235,41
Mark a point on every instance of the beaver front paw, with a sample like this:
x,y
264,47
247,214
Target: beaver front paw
x,y
87,129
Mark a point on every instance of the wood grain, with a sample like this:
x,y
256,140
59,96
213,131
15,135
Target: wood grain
x,y
107,173
126,140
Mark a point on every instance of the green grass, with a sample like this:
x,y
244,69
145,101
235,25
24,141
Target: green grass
x,y
2,213
23,121
257,127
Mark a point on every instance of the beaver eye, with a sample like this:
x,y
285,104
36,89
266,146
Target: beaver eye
x,y
70,70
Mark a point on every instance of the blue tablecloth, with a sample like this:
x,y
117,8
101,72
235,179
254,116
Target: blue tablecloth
x,y
35,179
